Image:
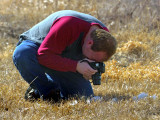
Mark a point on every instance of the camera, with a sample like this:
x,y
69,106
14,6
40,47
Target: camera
x,y
100,67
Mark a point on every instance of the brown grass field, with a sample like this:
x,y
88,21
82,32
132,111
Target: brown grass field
x,y
135,68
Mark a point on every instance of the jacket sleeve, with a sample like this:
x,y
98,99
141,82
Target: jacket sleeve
x,y
58,38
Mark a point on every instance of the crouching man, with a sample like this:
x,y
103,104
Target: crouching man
x,y
48,56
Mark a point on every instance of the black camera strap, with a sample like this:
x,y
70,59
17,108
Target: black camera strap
x,y
84,61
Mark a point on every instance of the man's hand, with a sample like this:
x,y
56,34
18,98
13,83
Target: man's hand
x,y
85,69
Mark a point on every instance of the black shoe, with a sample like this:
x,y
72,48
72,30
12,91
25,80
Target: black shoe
x,y
31,94
54,96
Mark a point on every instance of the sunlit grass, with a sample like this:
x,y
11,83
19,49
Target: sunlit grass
x,y
135,68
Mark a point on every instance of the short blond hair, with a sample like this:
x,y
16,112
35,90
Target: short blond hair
x,y
103,41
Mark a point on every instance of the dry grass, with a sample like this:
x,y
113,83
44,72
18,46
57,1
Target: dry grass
x,y
135,68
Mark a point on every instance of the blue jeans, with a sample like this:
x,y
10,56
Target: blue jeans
x,y
44,79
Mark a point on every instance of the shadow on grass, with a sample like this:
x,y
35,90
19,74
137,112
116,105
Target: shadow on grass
x,y
115,97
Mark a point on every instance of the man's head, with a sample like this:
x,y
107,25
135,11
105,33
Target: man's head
x,y
99,45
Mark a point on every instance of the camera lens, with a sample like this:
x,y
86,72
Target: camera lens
x,y
96,79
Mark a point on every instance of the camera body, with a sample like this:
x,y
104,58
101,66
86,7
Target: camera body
x,y
100,67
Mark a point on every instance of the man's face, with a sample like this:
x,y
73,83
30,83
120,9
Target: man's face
x,y
92,55
95,56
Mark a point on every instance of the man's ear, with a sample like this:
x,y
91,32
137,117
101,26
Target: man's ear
x,y
90,42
